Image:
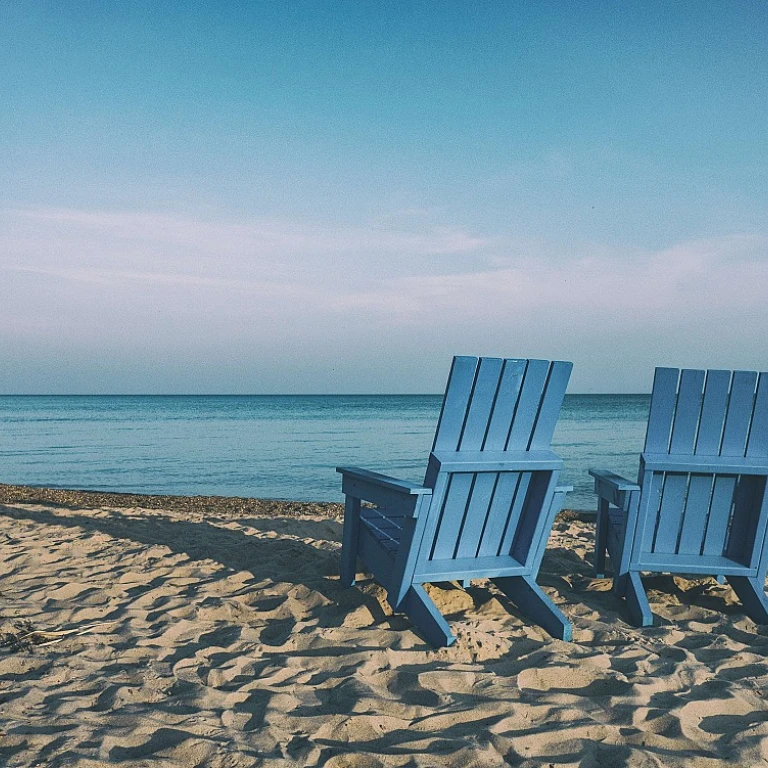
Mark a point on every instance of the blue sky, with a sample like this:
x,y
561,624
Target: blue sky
x,y
339,196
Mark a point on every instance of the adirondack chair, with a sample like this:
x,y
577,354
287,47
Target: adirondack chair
x,y
486,507
699,505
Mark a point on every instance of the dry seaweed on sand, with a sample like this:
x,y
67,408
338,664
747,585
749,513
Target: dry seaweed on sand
x,y
225,506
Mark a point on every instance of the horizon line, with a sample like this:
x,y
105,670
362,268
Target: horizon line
x,y
277,394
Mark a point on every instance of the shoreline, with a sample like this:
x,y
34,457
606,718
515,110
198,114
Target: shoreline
x,y
228,506
220,506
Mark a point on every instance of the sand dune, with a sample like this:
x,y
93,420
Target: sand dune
x,y
198,638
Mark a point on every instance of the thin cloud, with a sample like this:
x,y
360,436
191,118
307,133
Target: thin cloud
x,y
265,236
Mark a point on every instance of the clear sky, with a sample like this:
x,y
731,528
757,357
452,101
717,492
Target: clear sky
x,y
262,197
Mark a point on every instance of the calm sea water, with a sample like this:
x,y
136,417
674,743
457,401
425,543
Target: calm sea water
x,y
281,446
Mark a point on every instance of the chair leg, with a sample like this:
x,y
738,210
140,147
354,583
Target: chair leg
x,y
752,595
419,608
526,594
349,541
601,537
637,601
465,583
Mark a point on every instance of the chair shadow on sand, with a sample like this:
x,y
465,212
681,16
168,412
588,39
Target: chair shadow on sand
x,y
316,567
276,560
287,560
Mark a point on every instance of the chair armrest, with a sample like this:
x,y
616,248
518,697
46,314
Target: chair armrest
x,y
384,481
395,496
612,487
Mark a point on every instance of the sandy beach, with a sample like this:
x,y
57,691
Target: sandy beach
x,y
169,631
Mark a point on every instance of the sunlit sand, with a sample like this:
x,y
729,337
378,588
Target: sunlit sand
x,y
216,634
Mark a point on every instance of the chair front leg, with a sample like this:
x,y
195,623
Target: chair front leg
x,y
349,542
601,537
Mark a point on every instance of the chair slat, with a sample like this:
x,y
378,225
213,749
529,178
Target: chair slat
x,y
757,446
671,512
515,511
552,402
506,401
477,513
481,405
687,412
747,499
528,405
452,515
695,515
740,406
663,401
713,413
498,514
719,514
457,396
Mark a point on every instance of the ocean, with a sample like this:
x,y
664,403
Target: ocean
x,y
272,446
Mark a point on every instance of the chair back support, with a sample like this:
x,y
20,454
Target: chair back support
x,y
491,468
703,470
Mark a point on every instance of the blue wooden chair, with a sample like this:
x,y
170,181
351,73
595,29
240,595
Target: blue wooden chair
x,y
699,505
488,500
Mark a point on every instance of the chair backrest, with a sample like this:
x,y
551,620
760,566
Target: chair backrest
x,y
708,413
491,467
704,466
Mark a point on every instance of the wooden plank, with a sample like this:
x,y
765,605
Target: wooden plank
x,y
496,461
760,555
394,501
695,515
528,405
557,383
757,446
747,500
420,609
481,405
642,537
470,567
498,514
712,565
713,413
719,515
350,533
515,511
410,552
687,412
376,558
510,385
534,603
553,503
602,526
457,396
477,513
722,465
671,512
530,537
740,406
751,593
452,516
663,401
383,481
